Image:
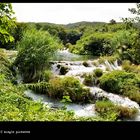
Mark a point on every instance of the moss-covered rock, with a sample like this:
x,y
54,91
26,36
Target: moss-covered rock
x,y
98,72
85,64
63,70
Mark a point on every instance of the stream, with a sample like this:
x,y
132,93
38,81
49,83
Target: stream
x,y
77,69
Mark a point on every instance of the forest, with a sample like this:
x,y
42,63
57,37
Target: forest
x,y
84,71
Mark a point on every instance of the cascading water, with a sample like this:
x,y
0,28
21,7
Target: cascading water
x,y
77,69
79,110
123,101
113,66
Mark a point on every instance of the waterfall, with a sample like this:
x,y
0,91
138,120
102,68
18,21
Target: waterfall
x,y
116,99
55,69
113,66
77,69
79,110
108,65
116,64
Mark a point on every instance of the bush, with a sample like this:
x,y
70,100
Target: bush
x,y
5,66
104,106
16,106
98,72
69,86
129,67
132,92
126,44
116,80
121,82
35,50
107,109
47,75
125,112
96,44
89,80
41,87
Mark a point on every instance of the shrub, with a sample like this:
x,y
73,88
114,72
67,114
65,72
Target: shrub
x,y
5,66
47,75
132,92
15,106
66,99
35,50
69,86
98,72
89,80
103,106
129,67
41,87
116,80
95,44
125,112
107,109
121,82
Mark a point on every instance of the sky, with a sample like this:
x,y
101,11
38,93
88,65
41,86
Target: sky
x,y
64,13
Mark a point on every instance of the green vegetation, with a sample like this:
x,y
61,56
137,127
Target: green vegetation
x,y
110,59
107,109
59,87
98,72
129,67
6,23
92,79
121,82
47,75
94,44
89,80
34,46
35,50
15,106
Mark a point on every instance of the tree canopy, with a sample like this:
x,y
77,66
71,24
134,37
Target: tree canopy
x,y
7,21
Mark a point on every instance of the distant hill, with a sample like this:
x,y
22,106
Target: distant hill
x,y
83,23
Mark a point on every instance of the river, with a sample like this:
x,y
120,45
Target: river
x,y
77,69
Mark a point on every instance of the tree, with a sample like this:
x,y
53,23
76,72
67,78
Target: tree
x,y
135,11
135,50
72,36
112,21
35,49
7,21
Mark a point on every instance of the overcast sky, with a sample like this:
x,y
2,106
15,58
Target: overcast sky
x,y
64,13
